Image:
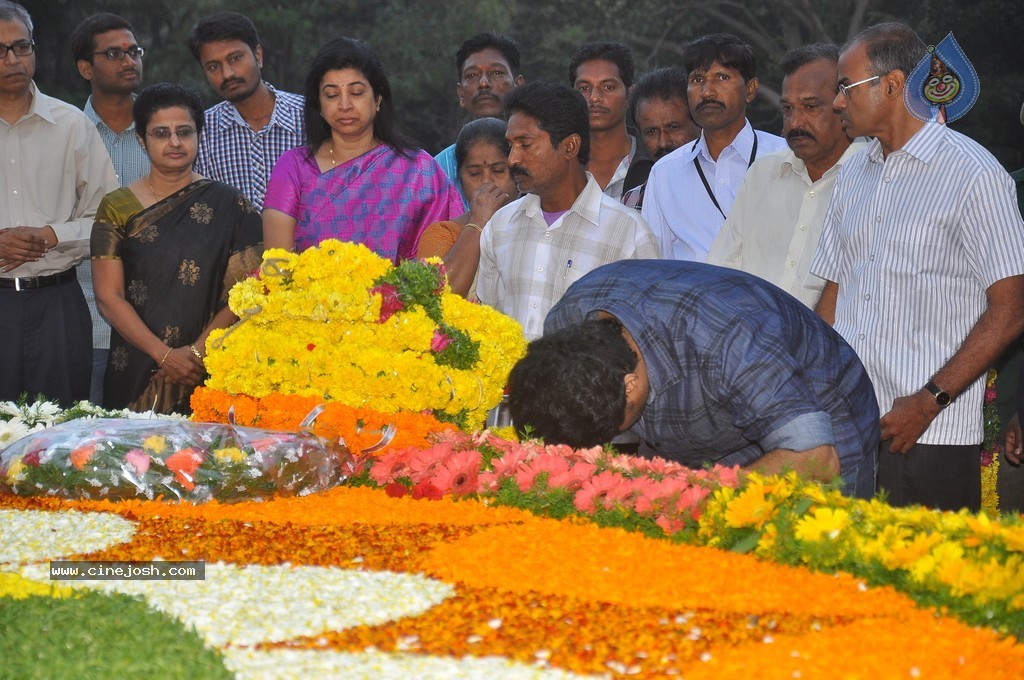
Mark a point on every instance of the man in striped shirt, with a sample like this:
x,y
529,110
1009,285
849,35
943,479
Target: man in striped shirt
x,y
246,133
923,255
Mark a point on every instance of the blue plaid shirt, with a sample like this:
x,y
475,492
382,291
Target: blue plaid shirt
x,y
737,367
231,152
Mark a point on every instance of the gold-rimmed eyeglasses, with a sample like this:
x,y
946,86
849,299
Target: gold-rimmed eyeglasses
x,y
845,89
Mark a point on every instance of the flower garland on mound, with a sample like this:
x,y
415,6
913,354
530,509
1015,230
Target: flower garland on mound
x,y
990,448
360,429
340,323
965,564
552,597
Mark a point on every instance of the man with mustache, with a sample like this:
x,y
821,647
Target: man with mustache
x,y
56,170
244,135
923,256
662,115
110,59
773,228
488,68
691,190
603,73
534,248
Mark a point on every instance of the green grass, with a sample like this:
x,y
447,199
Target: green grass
x,y
98,636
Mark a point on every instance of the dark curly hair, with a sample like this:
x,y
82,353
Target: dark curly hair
x,y
162,96
569,388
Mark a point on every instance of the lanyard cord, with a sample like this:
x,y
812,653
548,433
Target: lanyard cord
x,y
707,187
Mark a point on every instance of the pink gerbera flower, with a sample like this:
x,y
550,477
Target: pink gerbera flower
x,y
424,462
596,491
458,474
554,466
507,465
391,466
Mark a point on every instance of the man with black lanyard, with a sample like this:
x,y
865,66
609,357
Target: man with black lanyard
x,y
690,191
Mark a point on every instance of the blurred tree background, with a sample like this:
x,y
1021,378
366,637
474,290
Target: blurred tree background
x,y
417,40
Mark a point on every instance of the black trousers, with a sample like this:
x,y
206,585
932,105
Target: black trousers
x,y
936,476
45,343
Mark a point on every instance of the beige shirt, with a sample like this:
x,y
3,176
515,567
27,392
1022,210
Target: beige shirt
x,y
54,172
776,221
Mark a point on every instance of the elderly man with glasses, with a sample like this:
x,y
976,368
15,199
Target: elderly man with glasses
x,y
923,256
55,171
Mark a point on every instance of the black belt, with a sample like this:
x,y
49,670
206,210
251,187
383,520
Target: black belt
x,y
30,282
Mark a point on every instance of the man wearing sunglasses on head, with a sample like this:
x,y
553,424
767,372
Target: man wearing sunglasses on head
x,y
55,171
108,56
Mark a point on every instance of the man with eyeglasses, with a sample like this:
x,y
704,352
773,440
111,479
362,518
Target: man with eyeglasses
x,y
55,171
110,59
923,256
245,134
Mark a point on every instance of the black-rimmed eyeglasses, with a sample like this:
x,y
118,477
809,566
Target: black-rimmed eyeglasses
x,y
117,54
20,49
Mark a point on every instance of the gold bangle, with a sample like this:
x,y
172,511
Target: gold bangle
x,y
166,354
196,352
474,225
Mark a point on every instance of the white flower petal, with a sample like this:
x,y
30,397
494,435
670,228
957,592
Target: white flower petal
x,y
291,663
34,535
244,605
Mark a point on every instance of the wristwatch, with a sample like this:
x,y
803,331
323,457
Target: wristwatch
x,y
942,397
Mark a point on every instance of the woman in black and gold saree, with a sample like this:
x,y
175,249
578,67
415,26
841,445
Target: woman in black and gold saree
x,y
165,251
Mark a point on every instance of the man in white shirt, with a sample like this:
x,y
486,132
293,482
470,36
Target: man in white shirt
x,y
533,249
55,171
923,253
773,228
690,191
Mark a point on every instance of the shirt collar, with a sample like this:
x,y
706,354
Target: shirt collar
x,y
587,205
40,106
923,145
795,165
741,145
233,117
90,113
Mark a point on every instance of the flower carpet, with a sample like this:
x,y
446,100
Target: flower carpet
x,y
385,580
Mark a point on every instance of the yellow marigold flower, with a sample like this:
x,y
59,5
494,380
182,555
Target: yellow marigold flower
x,y
905,554
14,472
18,588
155,443
822,523
231,454
750,508
1013,538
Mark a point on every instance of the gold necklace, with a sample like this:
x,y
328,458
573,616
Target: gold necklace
x,y
333,162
